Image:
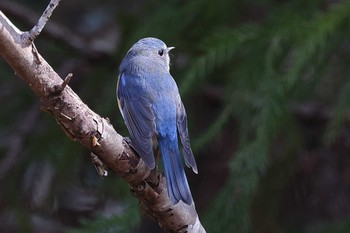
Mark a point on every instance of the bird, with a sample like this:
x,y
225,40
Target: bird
x,y
154,114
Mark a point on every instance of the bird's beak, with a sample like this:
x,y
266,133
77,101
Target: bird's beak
x,y
170,48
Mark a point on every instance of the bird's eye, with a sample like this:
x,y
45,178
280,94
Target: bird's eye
x,y
161,52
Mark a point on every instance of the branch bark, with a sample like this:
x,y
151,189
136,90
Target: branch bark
x,y
81,124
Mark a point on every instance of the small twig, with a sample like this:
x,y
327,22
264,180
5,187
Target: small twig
x,y
43,19
54,30
30,36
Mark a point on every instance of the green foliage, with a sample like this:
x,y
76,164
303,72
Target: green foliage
x,y
218,51
340,113
214,129
305,46
265,69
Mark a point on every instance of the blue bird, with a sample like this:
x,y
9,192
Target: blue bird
x,y
150,103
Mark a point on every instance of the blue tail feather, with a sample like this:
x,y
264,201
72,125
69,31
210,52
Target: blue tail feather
x,y
178,188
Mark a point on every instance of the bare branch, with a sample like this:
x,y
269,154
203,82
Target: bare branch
x,y
81,124
30,36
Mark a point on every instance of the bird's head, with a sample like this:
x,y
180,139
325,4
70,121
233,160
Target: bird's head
x,y
152,49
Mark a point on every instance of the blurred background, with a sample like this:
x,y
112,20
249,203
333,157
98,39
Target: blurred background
x,y
267,90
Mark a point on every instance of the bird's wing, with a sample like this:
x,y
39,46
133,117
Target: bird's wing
x,y
181,119
138,116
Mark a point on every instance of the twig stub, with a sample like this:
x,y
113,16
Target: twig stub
x,y
57,89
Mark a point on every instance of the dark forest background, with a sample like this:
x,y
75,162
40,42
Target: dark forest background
x,y
266,86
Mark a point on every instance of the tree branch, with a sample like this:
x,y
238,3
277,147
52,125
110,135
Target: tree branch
x,y
81,124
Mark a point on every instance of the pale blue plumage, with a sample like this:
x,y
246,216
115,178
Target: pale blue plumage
x,y
151,106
